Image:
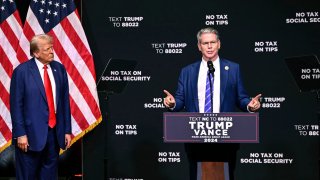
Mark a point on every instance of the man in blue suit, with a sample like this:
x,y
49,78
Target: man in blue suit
x,y
227,94
41,125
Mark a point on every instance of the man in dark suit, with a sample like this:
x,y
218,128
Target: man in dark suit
x,y
227,94
40,112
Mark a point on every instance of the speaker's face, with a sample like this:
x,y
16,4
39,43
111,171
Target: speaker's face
x,y
209,46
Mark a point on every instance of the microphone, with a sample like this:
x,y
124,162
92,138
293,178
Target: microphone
x,y
210,66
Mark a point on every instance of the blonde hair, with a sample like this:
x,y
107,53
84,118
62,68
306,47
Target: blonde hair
x,y
207,30
34,42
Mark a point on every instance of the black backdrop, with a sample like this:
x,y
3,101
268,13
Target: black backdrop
x,y
256,34
243,25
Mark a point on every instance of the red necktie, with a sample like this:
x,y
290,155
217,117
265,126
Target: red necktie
x,y
48,89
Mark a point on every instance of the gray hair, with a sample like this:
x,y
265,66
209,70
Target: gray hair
x,y
34,42
207,30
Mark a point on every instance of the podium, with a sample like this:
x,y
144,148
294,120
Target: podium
x,y
190,127
208,128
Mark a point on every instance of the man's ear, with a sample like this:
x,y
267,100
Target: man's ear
x,y
35,54
199,46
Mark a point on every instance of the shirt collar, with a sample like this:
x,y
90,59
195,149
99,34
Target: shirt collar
x,y
216,63
40,64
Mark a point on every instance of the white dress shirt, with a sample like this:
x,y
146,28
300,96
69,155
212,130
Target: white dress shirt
x,y
53,83
202,78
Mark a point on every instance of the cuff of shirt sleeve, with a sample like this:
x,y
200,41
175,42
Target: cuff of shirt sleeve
x,y
171,109
249,110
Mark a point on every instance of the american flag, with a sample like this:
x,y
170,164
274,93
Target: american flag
x,y
60,19
10,32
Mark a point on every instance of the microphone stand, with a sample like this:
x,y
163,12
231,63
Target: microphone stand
x,y
211,71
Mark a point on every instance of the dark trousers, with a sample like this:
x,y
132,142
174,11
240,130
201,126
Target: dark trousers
x,y
41,165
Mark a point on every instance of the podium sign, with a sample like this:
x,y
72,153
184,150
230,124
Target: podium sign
x,y
181,127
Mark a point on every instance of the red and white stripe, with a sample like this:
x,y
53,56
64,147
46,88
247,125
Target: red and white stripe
x,y
10,32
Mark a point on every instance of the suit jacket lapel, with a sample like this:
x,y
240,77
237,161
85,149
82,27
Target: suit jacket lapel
x,y
223,78
195,71
37,78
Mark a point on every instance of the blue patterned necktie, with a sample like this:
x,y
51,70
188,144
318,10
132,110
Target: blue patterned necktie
x,y
208,100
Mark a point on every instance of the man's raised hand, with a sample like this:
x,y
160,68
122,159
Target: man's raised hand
x,y
169,100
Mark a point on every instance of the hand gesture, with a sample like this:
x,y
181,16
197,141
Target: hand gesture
x,y
254,104
169,100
